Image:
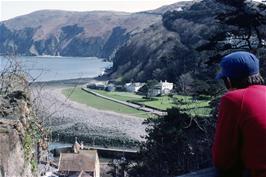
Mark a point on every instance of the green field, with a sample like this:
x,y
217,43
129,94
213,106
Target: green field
x,y
78,95
185,103
123,96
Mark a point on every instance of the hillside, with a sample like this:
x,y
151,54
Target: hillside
x,y
156,44
53,32
166,49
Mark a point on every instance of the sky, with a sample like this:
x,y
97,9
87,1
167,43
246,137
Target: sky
x,y
13,8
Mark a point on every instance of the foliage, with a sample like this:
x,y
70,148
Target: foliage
x,y
150,84
118,167
241,27
175,144
32,136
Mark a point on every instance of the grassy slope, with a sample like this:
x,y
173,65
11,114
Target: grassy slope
x,y
81,96
123,96
186,103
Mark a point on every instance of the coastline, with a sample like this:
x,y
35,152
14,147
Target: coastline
x,y
70,119
66,82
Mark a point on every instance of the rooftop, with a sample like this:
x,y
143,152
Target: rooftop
x,y
83,161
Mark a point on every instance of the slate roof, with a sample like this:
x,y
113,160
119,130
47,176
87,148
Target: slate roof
x,y
83,161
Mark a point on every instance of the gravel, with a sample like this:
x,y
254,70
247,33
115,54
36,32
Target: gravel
x,y
71,119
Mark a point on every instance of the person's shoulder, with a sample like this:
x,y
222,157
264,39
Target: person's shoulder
x,y
237,94
234,94
257,87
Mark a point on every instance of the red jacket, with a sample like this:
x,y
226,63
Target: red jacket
x,y
240,137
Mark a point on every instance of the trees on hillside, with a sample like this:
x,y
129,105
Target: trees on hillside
x,y
241,27
175,144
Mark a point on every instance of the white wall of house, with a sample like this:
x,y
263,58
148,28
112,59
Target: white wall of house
x,y
166,86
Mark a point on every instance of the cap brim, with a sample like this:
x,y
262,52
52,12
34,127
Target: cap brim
x,y
219,76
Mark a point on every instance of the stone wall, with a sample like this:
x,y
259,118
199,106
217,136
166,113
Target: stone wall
x,y
22,138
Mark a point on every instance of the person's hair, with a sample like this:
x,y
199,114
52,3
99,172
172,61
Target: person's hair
x,y
255,79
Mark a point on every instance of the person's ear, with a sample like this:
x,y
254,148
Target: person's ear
x,y
228,83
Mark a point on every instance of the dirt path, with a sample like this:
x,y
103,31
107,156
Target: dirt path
x,y
66,116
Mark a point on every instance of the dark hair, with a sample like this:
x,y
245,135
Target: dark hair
x,y
255,79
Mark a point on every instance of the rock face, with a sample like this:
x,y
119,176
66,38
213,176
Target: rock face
x,y
12,152
22,137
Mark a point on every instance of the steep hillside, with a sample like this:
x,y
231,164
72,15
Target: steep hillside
x,y
69,33
166,49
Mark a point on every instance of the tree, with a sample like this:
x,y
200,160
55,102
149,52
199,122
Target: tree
x,y
240,27
175,144
185,83
149,85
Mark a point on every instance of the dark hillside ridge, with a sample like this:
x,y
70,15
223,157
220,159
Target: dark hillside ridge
x,y
165,50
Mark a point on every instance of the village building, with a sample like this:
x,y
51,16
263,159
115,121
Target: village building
x,y
80,163
97,85
83,164
162,88
166,87
133,87
110,87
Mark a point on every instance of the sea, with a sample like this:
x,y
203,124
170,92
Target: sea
x,y
51,68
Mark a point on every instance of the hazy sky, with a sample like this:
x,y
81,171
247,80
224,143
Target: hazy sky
x,y
10,8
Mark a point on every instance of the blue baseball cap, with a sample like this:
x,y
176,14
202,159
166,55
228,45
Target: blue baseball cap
x,y
238,65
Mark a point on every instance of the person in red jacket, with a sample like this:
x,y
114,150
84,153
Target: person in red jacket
x,y
239,147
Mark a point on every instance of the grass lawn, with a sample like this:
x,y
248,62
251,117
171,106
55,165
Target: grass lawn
x,y
123,96
81,96
185,103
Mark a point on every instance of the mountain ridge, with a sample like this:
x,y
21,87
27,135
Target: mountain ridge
x,y
59,32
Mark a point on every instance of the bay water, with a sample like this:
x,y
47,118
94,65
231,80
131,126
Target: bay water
x,y
49,68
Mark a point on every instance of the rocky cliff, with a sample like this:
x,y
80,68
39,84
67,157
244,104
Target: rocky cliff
x,y
22,138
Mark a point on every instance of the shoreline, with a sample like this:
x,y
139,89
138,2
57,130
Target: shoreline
x,y
71,119
69,82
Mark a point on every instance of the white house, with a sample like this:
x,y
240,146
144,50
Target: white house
x,y
166,87
162,88
133,87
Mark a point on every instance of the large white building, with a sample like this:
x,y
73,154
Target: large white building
x,y
162,88
166,87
